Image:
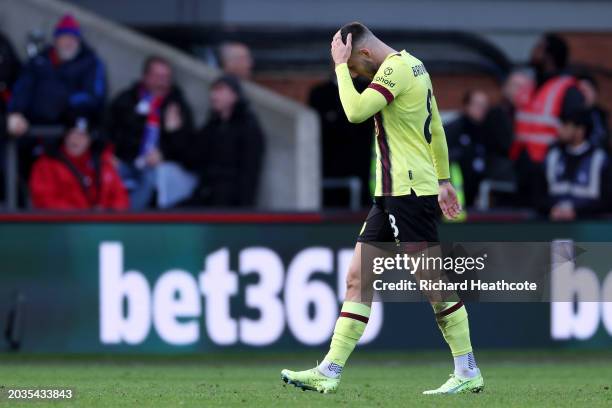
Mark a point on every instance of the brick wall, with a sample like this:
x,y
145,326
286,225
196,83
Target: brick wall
x,y
591,49
292,85
449,89
594,49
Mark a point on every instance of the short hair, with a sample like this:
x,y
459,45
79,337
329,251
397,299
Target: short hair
x,y
556,47
154,59
359,32
580,118
469,95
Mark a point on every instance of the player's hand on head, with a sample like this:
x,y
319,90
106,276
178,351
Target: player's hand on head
x,y
340,51
447,199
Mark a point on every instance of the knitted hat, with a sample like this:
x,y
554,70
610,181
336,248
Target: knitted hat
x,y
67,25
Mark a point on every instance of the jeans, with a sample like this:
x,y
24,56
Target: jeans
x,y
174,184
140,184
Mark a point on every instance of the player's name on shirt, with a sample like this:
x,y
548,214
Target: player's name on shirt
x,y
419,70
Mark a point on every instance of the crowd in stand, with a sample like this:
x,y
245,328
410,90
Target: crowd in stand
x,y
138,151
545,145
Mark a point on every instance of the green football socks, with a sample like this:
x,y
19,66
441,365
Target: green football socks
x,y
349,328
452,320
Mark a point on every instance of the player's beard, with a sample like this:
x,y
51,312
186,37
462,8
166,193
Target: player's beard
x,y
370,68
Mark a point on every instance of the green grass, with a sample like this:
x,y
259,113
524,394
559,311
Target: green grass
x,y
512,379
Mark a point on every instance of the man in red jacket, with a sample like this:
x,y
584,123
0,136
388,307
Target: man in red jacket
x,y
78,175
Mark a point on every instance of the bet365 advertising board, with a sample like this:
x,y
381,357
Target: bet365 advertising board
x,y
174,288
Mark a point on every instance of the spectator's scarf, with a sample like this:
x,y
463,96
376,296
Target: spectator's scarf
x,y
54,58
150,137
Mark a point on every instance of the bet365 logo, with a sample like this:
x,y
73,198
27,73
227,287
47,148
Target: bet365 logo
x,y
181,306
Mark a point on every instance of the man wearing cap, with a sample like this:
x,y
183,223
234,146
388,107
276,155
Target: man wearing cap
x,y
67,78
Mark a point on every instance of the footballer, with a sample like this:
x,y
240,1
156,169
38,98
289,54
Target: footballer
x,y
412,180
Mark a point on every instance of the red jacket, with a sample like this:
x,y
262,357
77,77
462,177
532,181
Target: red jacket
x,y
54,185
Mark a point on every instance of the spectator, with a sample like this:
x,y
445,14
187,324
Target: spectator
x,y
9,70
228,151
341,138
236,60
78,175
466,142
499,121
577,172
498,131
150,122
66,79
537,122
600,134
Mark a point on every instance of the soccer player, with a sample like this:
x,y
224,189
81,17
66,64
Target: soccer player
x,y
412,179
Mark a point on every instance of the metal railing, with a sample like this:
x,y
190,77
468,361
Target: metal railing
x,y
11,160
352,184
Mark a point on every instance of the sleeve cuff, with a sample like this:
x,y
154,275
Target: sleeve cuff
x,y
383,91
342,69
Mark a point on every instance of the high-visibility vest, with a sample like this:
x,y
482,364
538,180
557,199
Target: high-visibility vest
x,y
537,122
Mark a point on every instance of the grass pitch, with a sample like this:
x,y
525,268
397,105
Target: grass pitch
x,y
512,379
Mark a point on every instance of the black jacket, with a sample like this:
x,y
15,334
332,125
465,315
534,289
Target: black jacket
x,y
228,157
341,138
466,147
497,137
125,126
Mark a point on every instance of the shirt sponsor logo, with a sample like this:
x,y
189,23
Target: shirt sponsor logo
x,y
385,81
388,71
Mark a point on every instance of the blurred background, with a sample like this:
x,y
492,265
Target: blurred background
x,y
180,175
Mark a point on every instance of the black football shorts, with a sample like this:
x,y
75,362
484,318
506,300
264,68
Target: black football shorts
x,y
408,218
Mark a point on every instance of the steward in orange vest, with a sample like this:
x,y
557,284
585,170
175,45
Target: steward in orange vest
x,y
537,121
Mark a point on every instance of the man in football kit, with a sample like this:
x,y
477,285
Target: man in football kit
x,y
412,179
